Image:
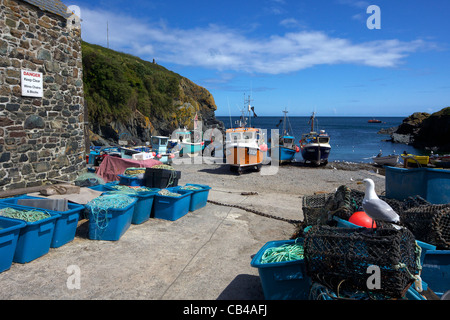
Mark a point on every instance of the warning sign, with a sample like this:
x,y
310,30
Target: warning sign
x,y
32,84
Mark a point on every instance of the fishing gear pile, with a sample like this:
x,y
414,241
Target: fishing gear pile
x,y
191,188
25,215
88,179
339,258
165,192
429,223
130,190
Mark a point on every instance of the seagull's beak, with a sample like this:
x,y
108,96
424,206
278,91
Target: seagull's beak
x,y
359,182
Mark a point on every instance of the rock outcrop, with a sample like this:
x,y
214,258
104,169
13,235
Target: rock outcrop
x,y
425,131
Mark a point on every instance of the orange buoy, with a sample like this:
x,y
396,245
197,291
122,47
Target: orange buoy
x,y
360,218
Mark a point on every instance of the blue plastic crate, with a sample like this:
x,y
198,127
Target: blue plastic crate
x,y
143,207
130,180
99,187
66,224
35,238
111,224
282,280
9,234
436,271
199,198
171,208
92,155
144,204
431,184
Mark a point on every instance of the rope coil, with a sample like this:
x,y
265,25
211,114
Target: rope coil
x,y
283,253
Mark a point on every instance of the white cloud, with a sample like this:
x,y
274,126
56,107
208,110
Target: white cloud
x,y
225,49
355,3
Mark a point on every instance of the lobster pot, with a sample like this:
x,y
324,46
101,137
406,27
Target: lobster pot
x,y
314,209
344,202
343,259
429,223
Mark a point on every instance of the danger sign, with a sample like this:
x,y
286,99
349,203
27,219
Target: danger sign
x,y
32,84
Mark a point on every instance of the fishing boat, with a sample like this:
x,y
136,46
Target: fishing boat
x,y
315,146
245,145
185,143
285,149
390,160
415,160
440,161
189,142
160,150
374,121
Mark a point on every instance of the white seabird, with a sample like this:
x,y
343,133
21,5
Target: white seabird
x,y
376,208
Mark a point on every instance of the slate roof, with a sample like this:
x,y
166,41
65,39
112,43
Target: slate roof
x,y
53,6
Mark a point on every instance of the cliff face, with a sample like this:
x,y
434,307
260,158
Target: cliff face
x,y
425,131
131,99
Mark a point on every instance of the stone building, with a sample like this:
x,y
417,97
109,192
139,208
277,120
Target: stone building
x,y
41,129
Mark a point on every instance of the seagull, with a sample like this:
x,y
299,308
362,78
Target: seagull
x,y
376,208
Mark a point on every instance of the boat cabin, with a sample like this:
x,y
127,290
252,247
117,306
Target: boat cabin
x,y
242,135
287,142
313,137
183,136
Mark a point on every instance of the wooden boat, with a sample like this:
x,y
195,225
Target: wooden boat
x,y
285,149
390,160
245,146
415,160
440,161
315,147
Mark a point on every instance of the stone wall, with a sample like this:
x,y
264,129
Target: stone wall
x,y
40,138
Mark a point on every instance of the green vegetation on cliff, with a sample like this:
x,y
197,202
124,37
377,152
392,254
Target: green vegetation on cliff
x,y
117,84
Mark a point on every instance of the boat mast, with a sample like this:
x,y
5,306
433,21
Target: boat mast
x,y
312,121
249,109
284,121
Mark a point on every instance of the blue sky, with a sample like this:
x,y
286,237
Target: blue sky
x,y
312,55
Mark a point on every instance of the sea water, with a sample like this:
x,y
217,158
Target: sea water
x,y
353,139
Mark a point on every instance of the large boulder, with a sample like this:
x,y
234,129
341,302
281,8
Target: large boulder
x,y
434,132
425,131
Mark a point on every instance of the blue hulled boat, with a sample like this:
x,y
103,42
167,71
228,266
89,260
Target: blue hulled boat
x,y
285,149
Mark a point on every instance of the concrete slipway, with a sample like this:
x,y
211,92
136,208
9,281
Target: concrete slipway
x,y
204,255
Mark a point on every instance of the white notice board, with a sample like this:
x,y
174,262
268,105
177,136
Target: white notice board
x,y
32,84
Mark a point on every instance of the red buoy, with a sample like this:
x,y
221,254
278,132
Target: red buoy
x,y
360,218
